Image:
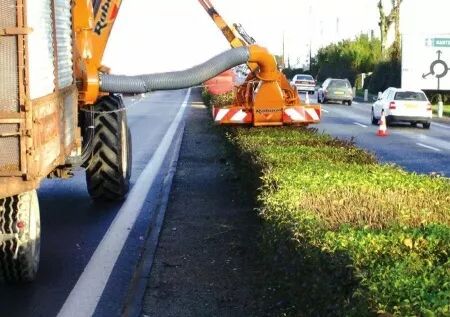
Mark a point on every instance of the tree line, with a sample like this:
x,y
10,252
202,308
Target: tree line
x,y
364,54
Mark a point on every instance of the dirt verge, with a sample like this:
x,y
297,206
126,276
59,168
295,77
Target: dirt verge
x,y
206,263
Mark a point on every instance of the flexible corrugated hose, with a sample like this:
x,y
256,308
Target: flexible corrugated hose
x,y
178,79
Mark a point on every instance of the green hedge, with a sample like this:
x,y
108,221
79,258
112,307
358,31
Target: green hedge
x,y
344,235
386,74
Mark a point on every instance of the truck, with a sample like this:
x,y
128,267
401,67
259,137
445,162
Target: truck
x,y
60,109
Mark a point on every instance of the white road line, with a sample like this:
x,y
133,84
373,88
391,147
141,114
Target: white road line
x,y
441,125
324,110
360,124
84,297
428,147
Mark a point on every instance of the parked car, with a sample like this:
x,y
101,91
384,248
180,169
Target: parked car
x,y
404,106
304,82
334,89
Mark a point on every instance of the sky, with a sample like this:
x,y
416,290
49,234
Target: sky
x,y
156,36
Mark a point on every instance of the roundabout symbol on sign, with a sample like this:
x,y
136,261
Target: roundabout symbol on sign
x,y
443,71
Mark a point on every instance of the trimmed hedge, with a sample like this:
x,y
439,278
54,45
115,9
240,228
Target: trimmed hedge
x,y
344,235
386,74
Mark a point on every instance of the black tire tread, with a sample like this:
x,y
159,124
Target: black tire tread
x,y
104,175
19,269
374,120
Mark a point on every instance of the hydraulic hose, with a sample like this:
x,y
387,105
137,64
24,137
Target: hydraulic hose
x,y
178,79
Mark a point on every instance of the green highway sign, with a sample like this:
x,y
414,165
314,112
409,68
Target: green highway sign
x,y
440,42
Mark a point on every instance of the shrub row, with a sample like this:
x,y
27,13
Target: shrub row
x,y
344,235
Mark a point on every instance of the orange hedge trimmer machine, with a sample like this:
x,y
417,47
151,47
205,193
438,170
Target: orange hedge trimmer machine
x,y
265,98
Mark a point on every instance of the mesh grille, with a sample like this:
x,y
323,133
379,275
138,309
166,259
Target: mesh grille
x,y
8,13
9,86
64,42
40,48
10,149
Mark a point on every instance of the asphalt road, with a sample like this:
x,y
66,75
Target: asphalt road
x,y
80,236
73,225
413,148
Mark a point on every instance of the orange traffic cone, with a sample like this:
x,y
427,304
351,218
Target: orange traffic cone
x,y
382,128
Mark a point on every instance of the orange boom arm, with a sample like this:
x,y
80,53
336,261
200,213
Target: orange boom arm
x,y
92,25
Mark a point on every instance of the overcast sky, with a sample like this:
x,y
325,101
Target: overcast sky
x,y
155,36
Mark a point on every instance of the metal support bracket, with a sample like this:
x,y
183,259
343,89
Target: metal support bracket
x,y
15,31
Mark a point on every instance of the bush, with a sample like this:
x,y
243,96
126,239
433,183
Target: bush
x,y
344,235
221,100
386,74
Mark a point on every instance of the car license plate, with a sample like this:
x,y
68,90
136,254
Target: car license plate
x,y
338,93
411,106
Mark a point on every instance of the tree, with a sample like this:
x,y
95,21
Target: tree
x,y
347,58
385,24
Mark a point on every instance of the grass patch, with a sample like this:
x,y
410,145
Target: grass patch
x,y
344,235
446,112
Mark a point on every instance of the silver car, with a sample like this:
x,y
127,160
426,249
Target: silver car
x,y
304,82
336,90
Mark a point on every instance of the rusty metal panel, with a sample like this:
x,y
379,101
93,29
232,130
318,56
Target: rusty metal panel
x,y
10,148
10,186
63,25
9,82
70,118
40,48
47,125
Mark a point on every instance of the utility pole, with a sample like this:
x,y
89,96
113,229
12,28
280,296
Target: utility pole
x,y
337,28
282,58
310,56
310,37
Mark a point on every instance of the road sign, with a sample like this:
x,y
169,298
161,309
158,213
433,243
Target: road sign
x,y
426,61
439,42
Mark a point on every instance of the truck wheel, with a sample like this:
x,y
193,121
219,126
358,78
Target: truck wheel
x,y
19,238
109,168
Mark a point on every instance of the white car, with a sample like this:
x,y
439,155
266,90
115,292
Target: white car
x,y
400,105
304,82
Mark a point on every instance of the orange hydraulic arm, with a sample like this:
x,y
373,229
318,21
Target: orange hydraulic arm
x,y
231,33
92,24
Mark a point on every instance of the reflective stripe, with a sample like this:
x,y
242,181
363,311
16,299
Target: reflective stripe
x,y
313,114
238,116
294,115
221,114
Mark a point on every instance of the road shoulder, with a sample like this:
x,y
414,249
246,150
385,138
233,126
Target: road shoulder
x,y
205,263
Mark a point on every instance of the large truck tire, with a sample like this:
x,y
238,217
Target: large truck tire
x,y
109,169
19,238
